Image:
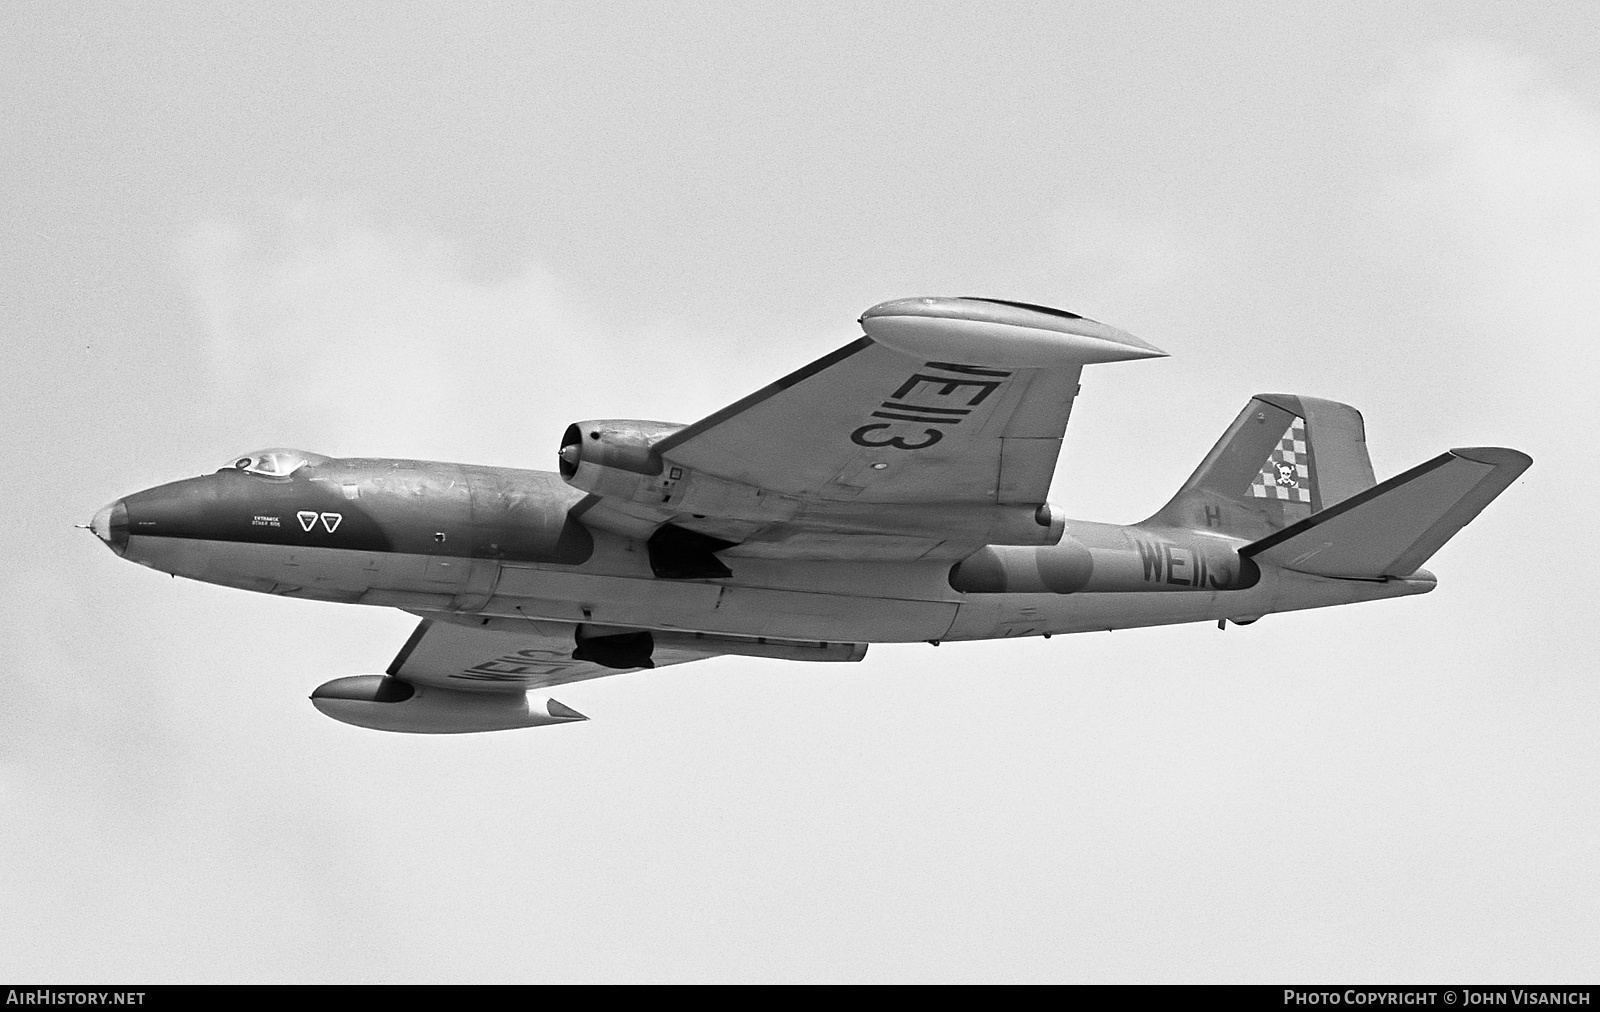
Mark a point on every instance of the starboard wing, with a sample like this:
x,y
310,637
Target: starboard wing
x,y
959,400
931,435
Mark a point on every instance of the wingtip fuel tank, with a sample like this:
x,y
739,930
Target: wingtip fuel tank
x,y
1005,333
384,703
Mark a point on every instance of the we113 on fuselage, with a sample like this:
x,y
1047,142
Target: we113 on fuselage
x,y
894,490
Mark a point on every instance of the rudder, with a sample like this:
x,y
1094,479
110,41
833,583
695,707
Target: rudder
x,y
1284,458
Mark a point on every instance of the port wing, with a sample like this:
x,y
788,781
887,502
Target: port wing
x,y
523,654
511,655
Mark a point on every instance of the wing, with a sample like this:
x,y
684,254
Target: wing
x,y
457,674
949,432
932,435
963,400
522,654
509,655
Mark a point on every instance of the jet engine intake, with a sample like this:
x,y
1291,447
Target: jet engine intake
x,y
384,703
610,455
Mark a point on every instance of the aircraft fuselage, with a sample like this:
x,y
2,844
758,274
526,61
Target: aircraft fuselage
x,y
502,544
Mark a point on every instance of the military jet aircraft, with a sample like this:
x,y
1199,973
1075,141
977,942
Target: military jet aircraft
x,y
892,491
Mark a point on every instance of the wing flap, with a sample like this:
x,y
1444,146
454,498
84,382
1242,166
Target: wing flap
x,y
1394,527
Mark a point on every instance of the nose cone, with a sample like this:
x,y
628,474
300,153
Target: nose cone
x,y
111,526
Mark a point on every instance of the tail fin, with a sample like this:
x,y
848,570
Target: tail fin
x,y
1393,528
1284,458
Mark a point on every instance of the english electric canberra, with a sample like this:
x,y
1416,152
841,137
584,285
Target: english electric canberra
x,y
893,491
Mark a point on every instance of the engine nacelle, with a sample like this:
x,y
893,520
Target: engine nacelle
x,y
611,455
389,704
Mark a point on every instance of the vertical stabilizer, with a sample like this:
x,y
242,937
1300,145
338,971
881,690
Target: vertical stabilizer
x,y
1284,458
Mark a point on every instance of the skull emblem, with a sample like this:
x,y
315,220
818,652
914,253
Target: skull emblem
x,y
1286,474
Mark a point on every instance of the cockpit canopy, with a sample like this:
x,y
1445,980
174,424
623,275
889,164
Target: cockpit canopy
x,y
277,462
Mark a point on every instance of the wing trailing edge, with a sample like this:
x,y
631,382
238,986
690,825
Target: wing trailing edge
x,y
1394,527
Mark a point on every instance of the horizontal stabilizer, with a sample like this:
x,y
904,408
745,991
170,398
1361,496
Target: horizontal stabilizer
x,y
1392,528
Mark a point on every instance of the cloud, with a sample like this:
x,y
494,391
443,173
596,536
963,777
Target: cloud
x,y
372,335
1507,183
1494,193
1510,148
371,340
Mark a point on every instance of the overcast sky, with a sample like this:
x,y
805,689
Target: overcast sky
x,y
429,231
